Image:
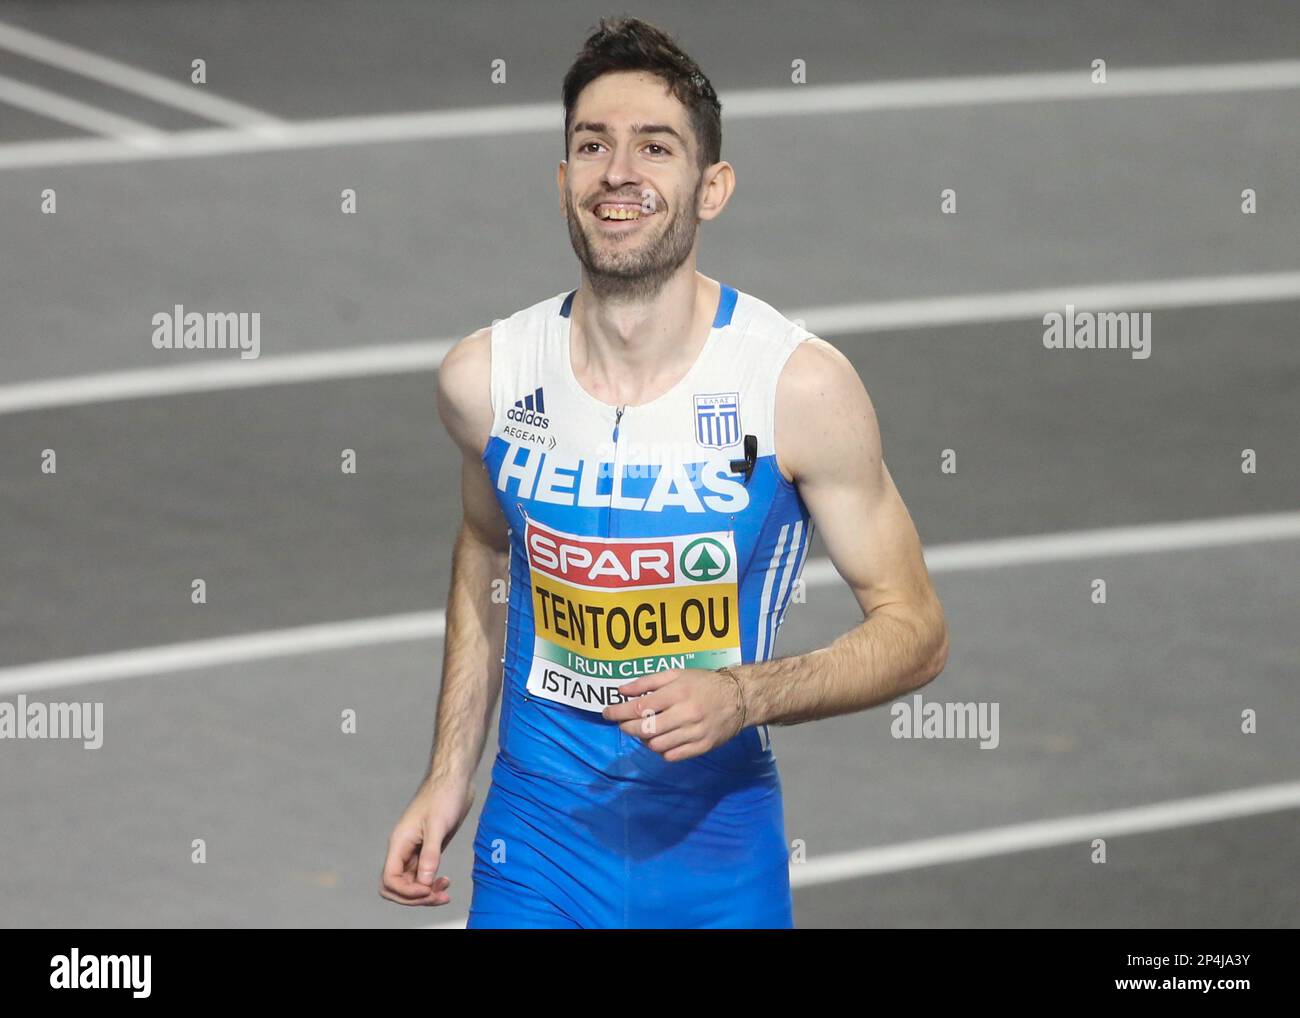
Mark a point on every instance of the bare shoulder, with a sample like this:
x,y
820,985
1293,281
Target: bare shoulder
x,y
823,412
815,369
465,391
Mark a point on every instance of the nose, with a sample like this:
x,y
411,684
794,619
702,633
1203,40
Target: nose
x,y
620,170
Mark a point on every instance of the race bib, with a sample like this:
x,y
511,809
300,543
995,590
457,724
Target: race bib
x,y
607,610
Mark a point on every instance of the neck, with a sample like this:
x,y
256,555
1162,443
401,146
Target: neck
x,y
628,349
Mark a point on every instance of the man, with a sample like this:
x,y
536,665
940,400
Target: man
x,y
647,459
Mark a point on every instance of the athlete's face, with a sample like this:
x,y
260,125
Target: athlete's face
x,y
632,154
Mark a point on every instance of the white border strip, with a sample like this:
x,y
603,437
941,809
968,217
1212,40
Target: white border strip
x,y
839,319
1071,545
1028,837
1038,834
795,100
194,99
78,114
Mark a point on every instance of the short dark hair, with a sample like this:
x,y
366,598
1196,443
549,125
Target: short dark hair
x,y
630,44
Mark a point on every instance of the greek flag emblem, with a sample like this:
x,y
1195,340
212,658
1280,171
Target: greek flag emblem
x,y
717,419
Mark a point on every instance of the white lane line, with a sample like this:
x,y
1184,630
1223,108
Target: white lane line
x,y
1038,834
796,100
1107,542
194,99
941,558
210,376
830,320
1144,295
1028,837
70,111
180,657
300,134
1033,87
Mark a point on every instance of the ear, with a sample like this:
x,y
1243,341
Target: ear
x,y
561,174
717,184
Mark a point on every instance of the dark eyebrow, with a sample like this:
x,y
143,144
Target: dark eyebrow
x,y
600,128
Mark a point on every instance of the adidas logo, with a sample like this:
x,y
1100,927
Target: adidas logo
x,y
530,410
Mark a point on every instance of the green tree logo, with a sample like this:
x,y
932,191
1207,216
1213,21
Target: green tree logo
x,y
708,563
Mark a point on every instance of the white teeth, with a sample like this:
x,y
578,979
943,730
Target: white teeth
x,y
612,212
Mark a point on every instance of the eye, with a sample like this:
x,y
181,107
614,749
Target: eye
x,y
586,145
659,147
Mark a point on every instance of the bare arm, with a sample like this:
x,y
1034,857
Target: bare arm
x,y
827,437
475,632
829,441
472,647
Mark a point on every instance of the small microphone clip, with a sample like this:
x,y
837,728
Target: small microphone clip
x,y
746,466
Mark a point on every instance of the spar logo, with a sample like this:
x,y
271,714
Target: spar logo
x,y
705,559
601,563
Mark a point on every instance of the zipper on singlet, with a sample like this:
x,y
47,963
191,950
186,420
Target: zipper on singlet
x,y
617,472
620,739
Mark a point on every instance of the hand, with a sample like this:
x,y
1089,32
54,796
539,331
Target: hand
x,y
680,713
416,845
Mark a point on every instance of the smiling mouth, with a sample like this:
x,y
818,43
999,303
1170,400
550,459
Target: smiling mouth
x,y
621,212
